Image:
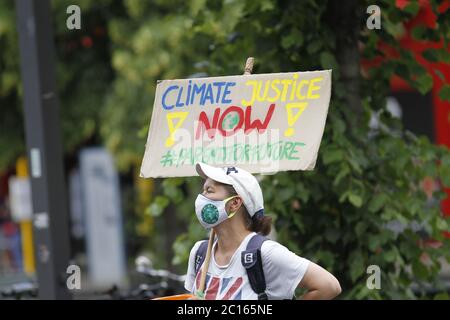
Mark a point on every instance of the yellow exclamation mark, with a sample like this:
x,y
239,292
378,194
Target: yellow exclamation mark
x,y
293,118
181,116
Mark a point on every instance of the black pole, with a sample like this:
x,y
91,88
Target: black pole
x,y
44,150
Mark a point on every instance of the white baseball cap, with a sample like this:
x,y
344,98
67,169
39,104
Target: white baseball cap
x,y
245,184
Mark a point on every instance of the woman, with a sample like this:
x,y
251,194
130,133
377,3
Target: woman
x,y
232,204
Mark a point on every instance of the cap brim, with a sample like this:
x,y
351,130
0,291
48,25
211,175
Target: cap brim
x,y
217,174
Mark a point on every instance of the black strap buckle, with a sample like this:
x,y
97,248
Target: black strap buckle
x,y
262,296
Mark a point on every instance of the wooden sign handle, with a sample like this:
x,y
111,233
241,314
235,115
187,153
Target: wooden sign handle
x,y
249,65
201,288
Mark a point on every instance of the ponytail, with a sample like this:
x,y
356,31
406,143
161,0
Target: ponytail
x,y
260,224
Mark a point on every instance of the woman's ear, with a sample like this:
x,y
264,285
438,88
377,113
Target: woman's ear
x,y
236,203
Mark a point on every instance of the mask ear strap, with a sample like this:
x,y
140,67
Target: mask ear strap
x,y
228,199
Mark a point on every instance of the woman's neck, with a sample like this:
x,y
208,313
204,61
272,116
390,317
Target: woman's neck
x,y
230,237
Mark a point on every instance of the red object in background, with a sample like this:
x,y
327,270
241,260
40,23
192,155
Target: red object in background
x,y
9,229
86,42
441,109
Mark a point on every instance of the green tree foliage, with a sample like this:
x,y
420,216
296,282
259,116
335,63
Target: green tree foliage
x,y
11,128
83,71
149,43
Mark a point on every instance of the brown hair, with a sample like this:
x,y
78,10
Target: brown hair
x,y
258,223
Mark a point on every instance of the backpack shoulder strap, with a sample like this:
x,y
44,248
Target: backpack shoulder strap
x,y
200,255
252,262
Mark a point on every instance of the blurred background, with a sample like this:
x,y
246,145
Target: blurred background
x,y
378,195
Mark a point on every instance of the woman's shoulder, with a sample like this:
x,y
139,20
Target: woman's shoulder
x,y
196,246
270,244
272,249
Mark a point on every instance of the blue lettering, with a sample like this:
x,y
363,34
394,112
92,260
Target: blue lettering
x,y
219,86
179,104
196,90
208,95
164,97
188,93
227,92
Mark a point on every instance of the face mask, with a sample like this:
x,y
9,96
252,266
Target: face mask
x,y
211,212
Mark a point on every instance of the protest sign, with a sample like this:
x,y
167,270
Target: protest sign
x,y
262,123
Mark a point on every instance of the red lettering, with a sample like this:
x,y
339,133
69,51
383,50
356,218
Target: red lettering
x,y
244,120
249,126
203,119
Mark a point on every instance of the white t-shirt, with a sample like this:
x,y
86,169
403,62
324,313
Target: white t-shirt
x,y
283,271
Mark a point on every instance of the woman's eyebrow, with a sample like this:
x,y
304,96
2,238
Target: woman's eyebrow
x,y
206,186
